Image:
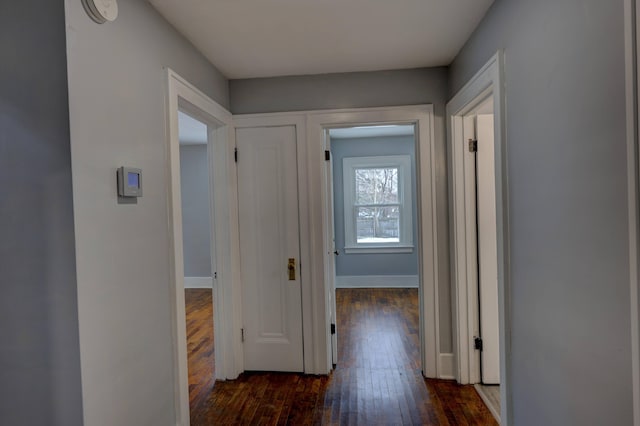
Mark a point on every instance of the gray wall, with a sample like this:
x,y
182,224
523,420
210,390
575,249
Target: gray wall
x,y
39,353
570,309
196,218
369,263
341,90
361,90
123,250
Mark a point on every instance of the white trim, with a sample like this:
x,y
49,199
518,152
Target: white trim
x,y
198,282
379,249
403,164
447,366
422,117
377,281
182,95
487,82
487,402
632,35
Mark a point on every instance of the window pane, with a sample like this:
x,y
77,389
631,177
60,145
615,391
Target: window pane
x,y
377,186
378,224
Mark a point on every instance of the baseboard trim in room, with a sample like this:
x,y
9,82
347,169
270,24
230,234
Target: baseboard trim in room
x,y
198,282
377,281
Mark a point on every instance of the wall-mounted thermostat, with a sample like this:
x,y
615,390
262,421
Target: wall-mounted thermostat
x,y
129,182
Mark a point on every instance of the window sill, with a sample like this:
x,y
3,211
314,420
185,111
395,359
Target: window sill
x,y
378,249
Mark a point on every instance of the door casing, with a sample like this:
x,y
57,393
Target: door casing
x,y
488,82
184,96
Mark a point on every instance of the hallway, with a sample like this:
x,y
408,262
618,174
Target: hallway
x,y
377,379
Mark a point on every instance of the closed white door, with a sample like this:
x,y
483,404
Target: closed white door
x,y
487,250
270,248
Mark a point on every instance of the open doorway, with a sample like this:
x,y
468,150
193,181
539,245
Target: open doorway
x,y
432,363
199,256
372,181
480,240
184,97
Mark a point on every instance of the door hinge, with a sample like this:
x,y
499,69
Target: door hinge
x,y
477,343
215,275
333,329
235,154
473,145
242,334
327,155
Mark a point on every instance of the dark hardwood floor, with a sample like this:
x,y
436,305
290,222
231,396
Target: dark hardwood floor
x,y
377,380
200,355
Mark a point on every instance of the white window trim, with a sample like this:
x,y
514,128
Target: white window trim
x,y
403,163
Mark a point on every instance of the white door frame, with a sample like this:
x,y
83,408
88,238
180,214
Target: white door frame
x,y
312,189
487,82
184,96
427,244
632,79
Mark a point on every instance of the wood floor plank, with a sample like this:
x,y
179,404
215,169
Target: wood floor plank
x,y
377,380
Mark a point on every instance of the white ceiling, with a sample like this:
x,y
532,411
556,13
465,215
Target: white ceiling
x,y
371,131
190,130
264,38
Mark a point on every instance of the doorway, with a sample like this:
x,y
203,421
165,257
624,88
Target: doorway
x,y
185,98
479,219
431,362
371,183
199,256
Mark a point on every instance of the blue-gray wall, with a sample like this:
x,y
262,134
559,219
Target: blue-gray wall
x,y
120,118
196,217
368,263
565,123
362,90
39,354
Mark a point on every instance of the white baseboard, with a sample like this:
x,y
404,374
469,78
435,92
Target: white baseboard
x,y
446,367
376,281
198,282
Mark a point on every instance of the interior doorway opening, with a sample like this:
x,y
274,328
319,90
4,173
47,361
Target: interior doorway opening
x,y
198,243
479,219
371,180
184,97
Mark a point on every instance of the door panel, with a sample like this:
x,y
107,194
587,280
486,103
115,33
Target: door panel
x,y
487,250
269,237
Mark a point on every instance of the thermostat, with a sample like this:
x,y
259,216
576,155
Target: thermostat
x,y
129,182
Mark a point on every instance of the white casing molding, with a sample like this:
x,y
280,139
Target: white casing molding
x,y
181,95
488,82
198,282
377,281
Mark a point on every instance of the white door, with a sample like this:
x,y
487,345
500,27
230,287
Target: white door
x,y
270,248
487,250
330,244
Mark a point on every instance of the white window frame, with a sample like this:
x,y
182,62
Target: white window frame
x,y
403,164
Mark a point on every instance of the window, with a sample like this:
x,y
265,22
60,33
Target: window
x,y
377,204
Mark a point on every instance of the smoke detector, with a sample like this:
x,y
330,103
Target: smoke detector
x,y
101,11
